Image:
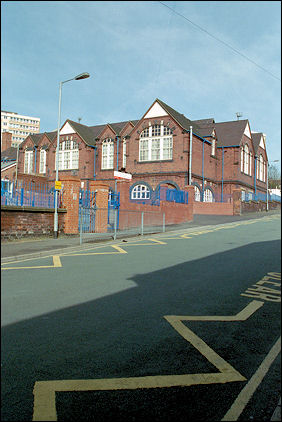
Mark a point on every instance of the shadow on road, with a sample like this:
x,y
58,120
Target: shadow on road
x,y
125,335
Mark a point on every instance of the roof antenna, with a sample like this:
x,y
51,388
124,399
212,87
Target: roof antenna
x,y
79,119
239,114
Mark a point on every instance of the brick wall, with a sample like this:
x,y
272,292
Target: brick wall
x,y
27,221
6,141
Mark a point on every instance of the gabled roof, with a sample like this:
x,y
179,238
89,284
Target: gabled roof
x,y
256,137
180,118
206,126
230,133
35,137
9,154
87,133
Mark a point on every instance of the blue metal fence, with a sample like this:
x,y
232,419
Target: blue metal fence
x,y
28,195
164,194
259,196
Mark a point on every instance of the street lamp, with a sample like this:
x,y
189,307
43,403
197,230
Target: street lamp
x,y
78,77
273,161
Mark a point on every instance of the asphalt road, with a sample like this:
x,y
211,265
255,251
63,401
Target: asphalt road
x,y
171,327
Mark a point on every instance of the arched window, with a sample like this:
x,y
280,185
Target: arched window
x,y
197,194
124,153
140,192
68,154
251,163
42,163
208,195
28,161
246,161
242,159
261,166
155,143
107,154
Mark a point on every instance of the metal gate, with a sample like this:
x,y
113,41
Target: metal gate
x,y
87,211
113,211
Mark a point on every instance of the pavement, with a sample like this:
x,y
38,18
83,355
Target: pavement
x,y
16,249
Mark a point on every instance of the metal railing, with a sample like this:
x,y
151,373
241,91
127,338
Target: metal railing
x,y
29,195
247,197
163,194
94,223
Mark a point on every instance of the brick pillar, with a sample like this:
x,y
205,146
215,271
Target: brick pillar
x,y
237,202
191,196
71,203
123,189
102,196
6,141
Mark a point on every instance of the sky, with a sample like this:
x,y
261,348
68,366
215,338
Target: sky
x,y
205,59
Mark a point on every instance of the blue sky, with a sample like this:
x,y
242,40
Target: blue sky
x,y
138,51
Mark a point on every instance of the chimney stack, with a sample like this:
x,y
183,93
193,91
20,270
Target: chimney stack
x,y
6,141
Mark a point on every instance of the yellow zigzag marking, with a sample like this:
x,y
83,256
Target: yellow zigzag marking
x,y
44,391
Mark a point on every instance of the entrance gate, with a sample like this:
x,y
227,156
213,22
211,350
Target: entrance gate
x,y
113,211
88,211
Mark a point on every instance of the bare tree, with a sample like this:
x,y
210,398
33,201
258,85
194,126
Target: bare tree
x,y
274,176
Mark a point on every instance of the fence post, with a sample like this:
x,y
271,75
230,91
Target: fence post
x,y
163,222
81,223
142,223
115,225
22,196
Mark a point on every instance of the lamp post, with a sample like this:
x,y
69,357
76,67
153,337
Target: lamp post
x,y
273,161
78,77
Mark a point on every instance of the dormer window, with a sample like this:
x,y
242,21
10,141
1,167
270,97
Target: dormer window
x,y
155,143
68,155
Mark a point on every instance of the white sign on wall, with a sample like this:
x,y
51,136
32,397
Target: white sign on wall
x,y
121,175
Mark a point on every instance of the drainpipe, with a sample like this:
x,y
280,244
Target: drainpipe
x,y
117,162
222,174
95,156
255,176
203,156
35,149
17,164
190,157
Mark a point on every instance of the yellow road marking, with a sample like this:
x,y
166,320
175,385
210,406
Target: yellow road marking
x,y
245,395
56,264
44,391
118,248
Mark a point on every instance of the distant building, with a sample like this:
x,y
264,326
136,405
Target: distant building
x,y
19,126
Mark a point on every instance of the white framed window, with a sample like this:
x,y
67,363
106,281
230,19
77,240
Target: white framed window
x,y
208,196
124,154
213,147
246,160
140,192
197,194
242,159
68,155
261,168
251,163
155,143
42,162
143,150
28,161
107,154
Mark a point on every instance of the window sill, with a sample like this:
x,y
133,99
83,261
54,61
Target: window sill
x,y
169,160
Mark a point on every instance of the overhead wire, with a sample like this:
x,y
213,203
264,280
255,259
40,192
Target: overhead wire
x,y
221,41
